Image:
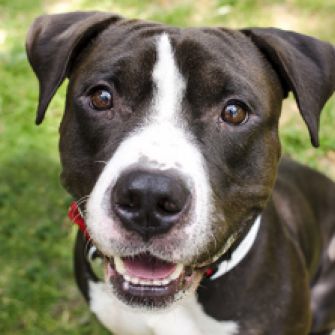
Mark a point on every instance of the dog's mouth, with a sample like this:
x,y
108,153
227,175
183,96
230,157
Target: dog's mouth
x,y
146,280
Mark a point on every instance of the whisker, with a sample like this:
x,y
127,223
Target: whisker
x,y
82,200
213,237
101,162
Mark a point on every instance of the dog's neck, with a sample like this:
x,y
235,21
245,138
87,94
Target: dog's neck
x,y
239,253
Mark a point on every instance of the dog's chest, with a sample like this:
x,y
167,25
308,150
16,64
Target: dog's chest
x,y
188,318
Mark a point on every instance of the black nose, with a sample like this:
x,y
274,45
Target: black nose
x,y
150,202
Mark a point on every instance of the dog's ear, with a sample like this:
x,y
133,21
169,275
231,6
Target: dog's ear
x,y
305,65
53,41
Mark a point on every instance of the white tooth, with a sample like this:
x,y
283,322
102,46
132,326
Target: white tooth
x,y
125,285
134,280
157,282
119,266
143,282
127,278
176,273
165,281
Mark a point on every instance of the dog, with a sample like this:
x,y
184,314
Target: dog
x,y
169,143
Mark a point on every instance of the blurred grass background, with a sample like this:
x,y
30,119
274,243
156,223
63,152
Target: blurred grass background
x,y
37,291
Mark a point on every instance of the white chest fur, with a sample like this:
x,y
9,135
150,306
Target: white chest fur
x,y
187,318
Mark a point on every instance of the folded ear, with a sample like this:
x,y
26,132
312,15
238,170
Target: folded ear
x,y
305,65
53,41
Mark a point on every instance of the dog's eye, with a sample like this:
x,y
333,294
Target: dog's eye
x,y
234,113
101,99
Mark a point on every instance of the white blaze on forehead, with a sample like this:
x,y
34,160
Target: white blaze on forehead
x,y
170,85
161,142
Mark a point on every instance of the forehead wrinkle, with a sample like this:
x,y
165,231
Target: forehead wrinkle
x,y
169,82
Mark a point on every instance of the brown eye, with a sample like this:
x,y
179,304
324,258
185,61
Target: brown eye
x,y
234,114
101,99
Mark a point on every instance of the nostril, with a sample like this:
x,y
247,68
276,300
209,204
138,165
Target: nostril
x,y
130,207
167,207
127,201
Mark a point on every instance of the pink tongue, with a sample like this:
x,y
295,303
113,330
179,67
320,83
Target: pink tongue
x,y
148,267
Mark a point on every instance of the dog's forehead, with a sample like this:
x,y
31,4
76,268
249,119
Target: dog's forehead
x,y
203,51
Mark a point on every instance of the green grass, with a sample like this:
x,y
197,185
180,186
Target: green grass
x,y
37,291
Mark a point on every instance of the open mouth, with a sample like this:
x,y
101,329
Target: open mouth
x,y
146,280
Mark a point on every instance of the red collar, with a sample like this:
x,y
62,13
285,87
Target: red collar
x,y
77,218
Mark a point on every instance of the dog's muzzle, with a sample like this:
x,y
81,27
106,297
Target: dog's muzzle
x,y
146,280
149,203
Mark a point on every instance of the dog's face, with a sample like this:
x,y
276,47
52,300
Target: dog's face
x,y
170,158
172,135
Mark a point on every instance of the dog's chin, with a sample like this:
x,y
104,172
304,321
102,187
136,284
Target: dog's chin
x,y
145,281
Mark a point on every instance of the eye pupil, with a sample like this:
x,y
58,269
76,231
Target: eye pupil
x,y
233,110
105,96
234,114
101,99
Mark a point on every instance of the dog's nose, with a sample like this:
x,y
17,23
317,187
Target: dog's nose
x,y
150,202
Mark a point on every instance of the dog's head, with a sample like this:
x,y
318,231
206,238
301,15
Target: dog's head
x,y
172,135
